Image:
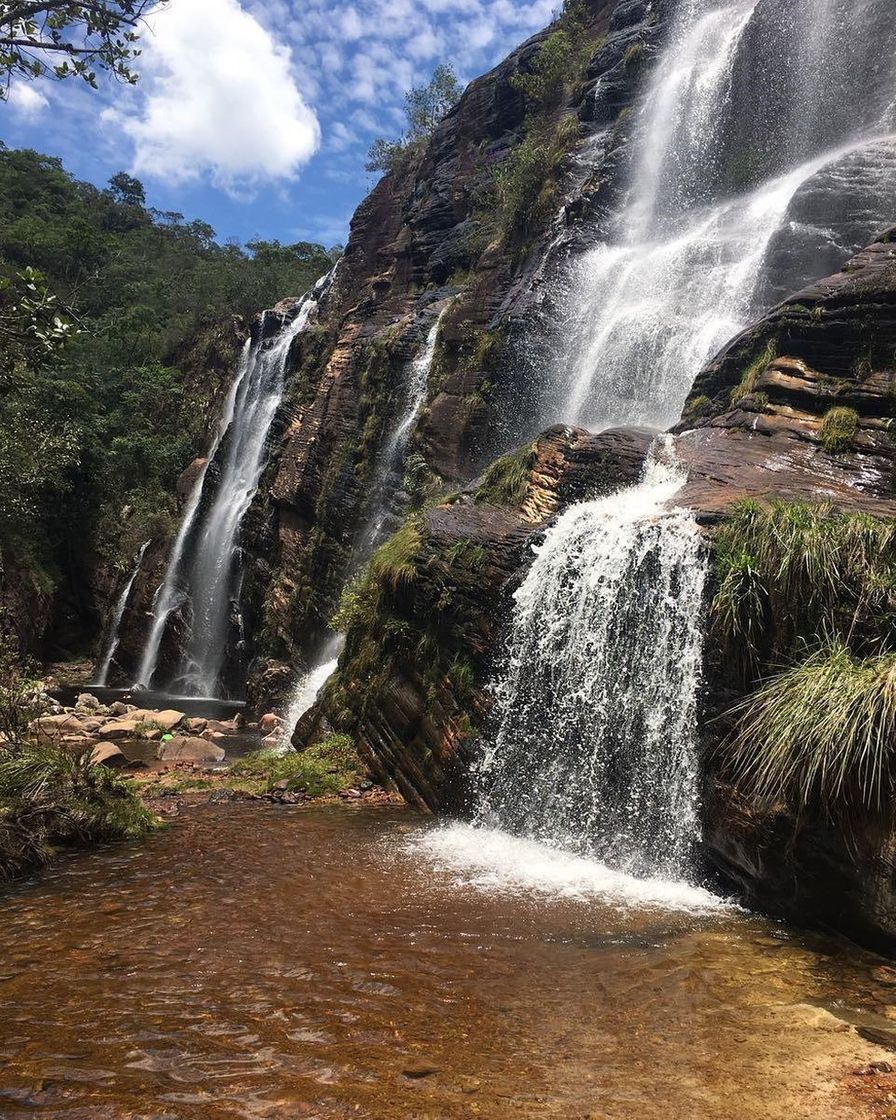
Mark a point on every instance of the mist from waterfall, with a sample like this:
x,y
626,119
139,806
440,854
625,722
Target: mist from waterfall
x,y
749,177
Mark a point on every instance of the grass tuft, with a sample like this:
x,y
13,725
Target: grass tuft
x,y
506,481
787,571
51,796
838,429
821,735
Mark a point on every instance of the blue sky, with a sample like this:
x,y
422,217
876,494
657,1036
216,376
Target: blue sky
x,y
257,116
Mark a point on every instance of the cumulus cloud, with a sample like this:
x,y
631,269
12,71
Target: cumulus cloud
x,y
217,99
26,100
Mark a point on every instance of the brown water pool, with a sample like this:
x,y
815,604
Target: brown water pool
x,y
255,961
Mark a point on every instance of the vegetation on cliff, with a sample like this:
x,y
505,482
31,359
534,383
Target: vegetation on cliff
x,y
805,613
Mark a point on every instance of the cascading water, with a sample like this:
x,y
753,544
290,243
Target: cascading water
x,y
112,644
595,748
389,465
748,179
202,577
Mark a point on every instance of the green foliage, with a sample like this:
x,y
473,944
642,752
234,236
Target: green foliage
x,y
789,571
324,767
61,40
20,693
51,796
753,370
821,735
838,429
545,83
507,479
425,106
395,562
103,419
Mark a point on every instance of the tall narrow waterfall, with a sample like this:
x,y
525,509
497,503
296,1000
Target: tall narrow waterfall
x,y
112,642
750,176
597,706
202,578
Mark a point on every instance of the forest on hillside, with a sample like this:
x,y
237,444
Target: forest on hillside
x,y
118,323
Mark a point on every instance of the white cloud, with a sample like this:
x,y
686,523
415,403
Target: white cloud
x,y
217,99
26,100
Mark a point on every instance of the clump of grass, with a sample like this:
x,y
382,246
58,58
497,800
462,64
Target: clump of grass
x,y
507,479
395,562
787,571
753,370
821,735
325,767
52,796
838,429
697,406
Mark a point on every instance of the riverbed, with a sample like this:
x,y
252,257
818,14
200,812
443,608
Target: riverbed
x,y
258,961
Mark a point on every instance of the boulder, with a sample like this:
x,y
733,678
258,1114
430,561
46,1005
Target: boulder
x,y
120,729
119,708
87,702
188,748
107,754
196,725
63,724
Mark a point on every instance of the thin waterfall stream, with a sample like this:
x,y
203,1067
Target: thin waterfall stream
x,y
121,605
390,463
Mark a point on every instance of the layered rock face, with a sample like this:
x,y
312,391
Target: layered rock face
x,y
423,244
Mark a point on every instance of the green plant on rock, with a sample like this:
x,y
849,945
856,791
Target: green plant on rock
x,y
821,735
507,479
322,768
838,429
787,571
753,370
395,562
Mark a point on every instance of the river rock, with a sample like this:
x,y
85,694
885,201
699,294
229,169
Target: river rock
x,y
120,729
87,702
196,725
107,754
119,708
188,748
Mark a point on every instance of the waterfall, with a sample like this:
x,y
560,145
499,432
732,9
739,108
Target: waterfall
x,y
202,577
597,705
102,675
390,463
748,178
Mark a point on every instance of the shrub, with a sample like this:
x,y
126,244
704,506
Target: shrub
x,y
394,563
51,796
821,735
838,429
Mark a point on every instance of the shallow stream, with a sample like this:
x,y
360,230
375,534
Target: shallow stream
x,y
256,961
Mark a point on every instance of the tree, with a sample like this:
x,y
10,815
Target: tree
x,y
424,107
62,39
127,190
427,105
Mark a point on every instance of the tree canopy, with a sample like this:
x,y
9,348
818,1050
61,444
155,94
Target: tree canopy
x,y
64,40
